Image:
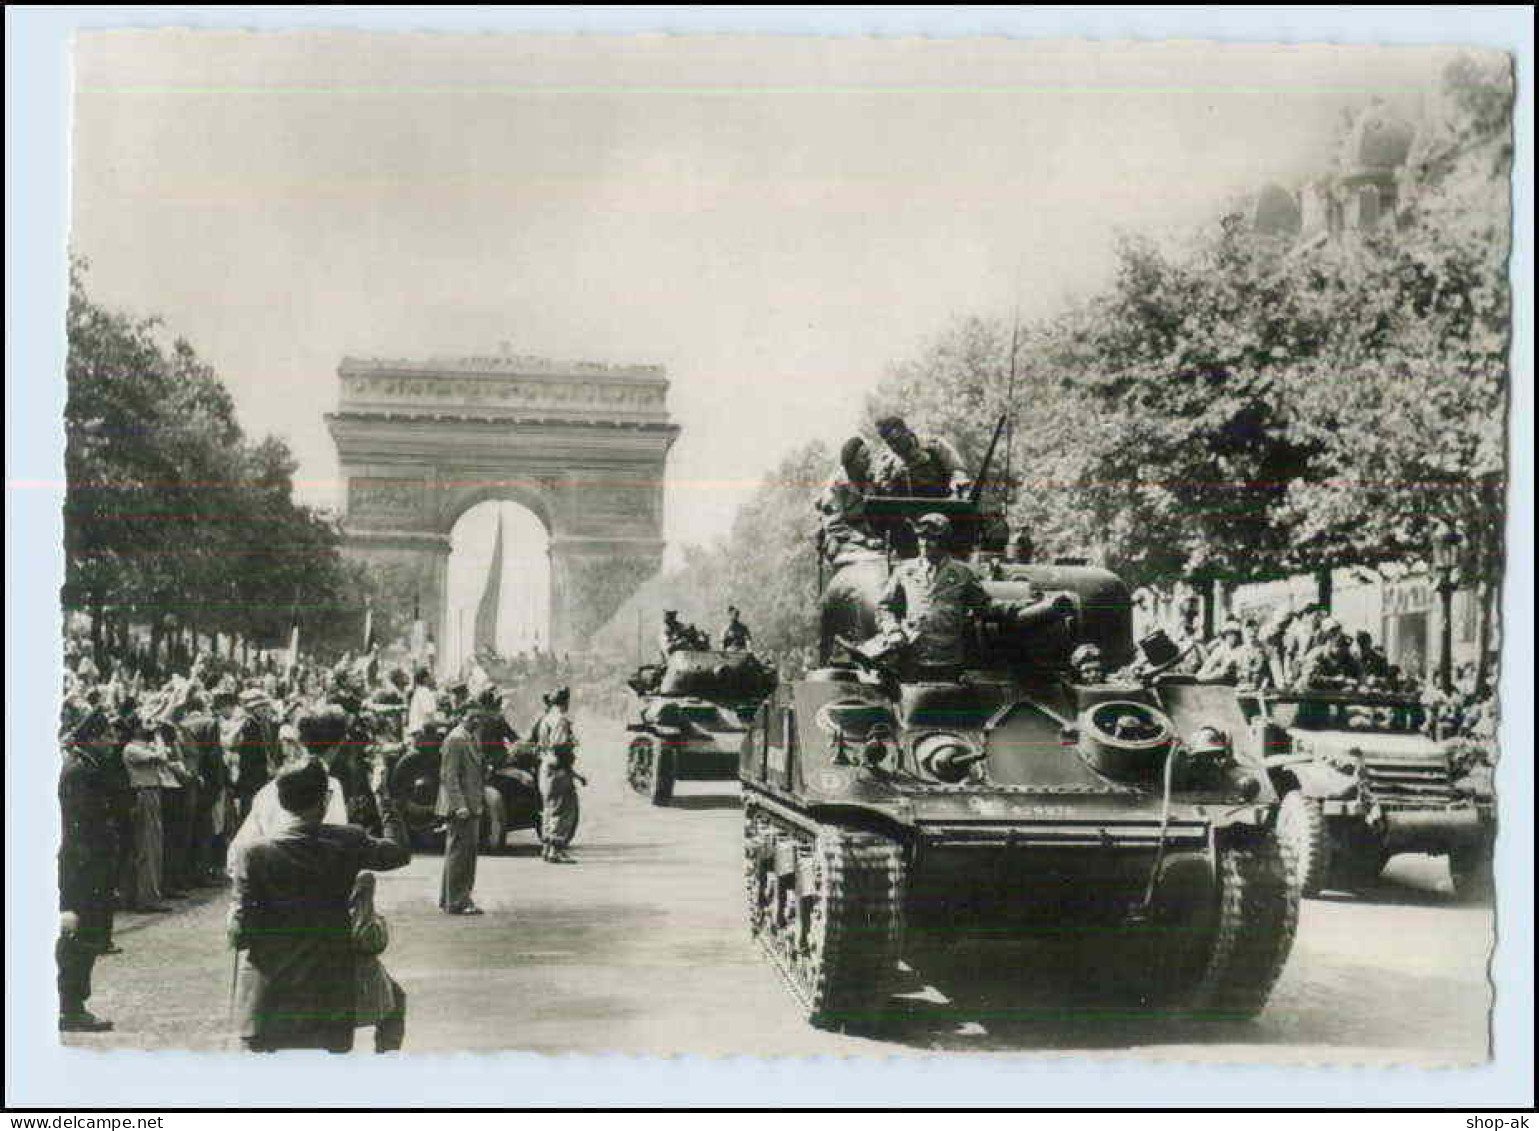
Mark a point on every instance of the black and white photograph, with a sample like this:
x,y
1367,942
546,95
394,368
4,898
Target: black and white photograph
x,y
783,546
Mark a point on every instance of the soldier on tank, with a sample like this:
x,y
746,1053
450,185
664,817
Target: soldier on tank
x,y
1188,638
925,608
911,466
923,612
845,535
679,636
735,637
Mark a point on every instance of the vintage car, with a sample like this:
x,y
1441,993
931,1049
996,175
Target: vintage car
x,y
512,794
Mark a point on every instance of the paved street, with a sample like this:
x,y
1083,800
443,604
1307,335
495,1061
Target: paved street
x,y
642,949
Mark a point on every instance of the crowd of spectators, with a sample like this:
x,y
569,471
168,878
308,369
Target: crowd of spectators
x,y
1309,650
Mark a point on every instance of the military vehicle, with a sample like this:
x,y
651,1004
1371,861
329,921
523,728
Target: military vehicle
x,y
691,718
1009,803
1360,782
511,796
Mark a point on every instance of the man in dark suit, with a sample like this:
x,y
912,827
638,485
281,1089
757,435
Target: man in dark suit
x,y
205,755
255,751
461,797
88,854
296,986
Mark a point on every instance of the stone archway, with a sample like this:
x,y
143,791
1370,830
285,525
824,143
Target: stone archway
x,y
582,446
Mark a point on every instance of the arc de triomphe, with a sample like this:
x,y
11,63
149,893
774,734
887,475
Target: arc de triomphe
x,y
583,446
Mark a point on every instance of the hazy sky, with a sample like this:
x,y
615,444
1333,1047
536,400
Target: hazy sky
x,y
774,220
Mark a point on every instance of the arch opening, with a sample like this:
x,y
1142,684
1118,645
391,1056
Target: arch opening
x,y
496,601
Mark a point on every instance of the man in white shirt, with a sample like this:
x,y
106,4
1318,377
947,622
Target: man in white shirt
x,y
322,735
423,705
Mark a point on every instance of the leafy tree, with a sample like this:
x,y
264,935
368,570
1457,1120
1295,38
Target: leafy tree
x,y
172,518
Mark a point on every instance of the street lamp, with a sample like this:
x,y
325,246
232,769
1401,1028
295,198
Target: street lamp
x,y
1445,559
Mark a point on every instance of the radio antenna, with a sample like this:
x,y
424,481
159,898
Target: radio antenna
x,y
1015,341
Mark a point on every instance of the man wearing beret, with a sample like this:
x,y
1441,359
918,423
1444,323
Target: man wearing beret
x,y
296,984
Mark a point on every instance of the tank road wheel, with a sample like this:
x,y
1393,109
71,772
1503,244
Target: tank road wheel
x,y
660,782
758,862
1258,912
638,763
1473,872
1306,844
827,910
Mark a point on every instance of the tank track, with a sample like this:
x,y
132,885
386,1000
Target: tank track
x,y
832,927
1258,915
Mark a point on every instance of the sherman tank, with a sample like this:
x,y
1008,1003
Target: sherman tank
x,y
691,717
1361,782
1009,803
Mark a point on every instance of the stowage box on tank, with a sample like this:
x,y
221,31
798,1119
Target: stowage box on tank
x,y
1011,804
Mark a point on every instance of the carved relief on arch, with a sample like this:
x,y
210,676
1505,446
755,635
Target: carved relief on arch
x,y
384,501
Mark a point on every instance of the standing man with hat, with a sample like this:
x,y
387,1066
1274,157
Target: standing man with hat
x,y
461,797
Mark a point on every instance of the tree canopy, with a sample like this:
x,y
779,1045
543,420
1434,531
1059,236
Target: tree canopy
x,y
172,517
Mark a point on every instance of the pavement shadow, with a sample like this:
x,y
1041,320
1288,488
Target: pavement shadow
x,y
1025,998
514,851
1391,892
